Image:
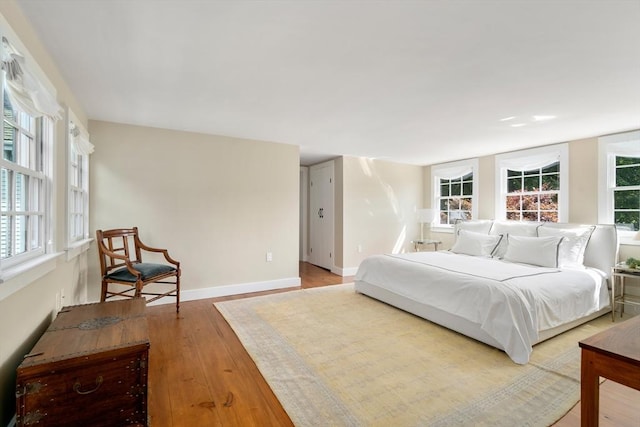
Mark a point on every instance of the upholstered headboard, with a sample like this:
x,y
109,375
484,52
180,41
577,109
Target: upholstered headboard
x,y
601,251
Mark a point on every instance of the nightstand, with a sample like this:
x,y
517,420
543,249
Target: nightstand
x,y
613,354
424,242
619,274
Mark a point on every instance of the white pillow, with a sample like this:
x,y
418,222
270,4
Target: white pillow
x,y
476,244
477,225
573,244
542,251
512,228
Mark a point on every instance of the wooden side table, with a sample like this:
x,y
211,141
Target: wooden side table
x,y
423,242
612,354
619,274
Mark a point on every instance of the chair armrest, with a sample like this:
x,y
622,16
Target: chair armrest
x,y
127,262
108,253
164,252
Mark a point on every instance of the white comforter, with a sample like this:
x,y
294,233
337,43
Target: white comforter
x,y
510,302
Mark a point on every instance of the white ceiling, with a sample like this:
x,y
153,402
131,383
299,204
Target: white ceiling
x,y
417,82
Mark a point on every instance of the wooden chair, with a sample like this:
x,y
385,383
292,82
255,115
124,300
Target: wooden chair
x,y
120,252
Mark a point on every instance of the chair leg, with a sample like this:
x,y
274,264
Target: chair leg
x,y
177,294
103,295
139,286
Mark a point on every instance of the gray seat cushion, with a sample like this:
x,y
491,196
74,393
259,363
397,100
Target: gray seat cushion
x,y
148,270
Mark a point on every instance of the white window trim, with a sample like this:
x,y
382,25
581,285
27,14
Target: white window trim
x,y
15,276
501,161
607,151
21,264
445,170
76,247
24,274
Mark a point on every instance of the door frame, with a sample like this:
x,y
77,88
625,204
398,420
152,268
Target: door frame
x,y
331,232
303,250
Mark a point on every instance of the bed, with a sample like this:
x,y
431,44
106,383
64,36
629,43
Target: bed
x,y
508,284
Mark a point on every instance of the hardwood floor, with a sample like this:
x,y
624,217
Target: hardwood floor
x,y
201,375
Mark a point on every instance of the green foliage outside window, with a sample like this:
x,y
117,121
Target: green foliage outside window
x,y
626,194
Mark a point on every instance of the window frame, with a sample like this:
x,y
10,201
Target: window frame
x,y
445,171
76,243
503,162
609,147
37,262
40,172
20,272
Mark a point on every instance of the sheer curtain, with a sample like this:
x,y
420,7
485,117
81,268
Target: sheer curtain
x,y
533,162
24,89
453,172
80,140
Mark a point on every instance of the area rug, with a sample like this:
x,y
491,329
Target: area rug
x,y
334,357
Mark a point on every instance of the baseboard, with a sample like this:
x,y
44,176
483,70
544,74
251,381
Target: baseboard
x,y
349,271
223,291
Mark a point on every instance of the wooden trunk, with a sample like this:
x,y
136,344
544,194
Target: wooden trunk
x,y
89,368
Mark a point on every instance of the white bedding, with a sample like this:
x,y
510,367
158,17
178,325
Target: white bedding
x,y
510,302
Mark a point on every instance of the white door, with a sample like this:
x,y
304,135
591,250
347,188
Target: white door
x,y
321,215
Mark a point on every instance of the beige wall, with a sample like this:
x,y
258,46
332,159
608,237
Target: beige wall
x,y
487,187
219,204
25,314
583,181
379,203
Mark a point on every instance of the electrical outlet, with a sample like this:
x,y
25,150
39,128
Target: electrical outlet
x,y
269,257
359,249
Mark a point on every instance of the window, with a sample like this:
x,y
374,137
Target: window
x,y
29,109
456,198
23,181
532,195
532,184
626,192
619,176
455,191
79,148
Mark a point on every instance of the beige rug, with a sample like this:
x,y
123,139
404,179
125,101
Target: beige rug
x,y
337,358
